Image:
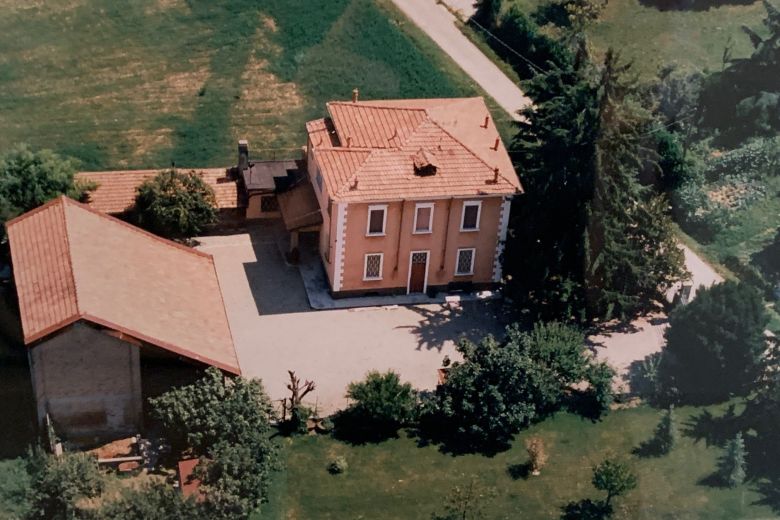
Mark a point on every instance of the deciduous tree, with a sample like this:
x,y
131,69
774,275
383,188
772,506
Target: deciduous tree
x,y
175,204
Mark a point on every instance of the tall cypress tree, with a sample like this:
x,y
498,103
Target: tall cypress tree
x,y
631,253
588,240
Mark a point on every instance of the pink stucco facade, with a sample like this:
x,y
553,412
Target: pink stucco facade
x,y
345,241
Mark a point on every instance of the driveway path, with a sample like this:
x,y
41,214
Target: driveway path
x,y
625,348
439,24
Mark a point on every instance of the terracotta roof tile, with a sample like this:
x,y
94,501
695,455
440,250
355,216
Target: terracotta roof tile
x,y
379,140
117,189
72,262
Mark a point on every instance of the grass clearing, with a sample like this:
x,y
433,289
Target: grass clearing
x,y
397,479
651,38
121,85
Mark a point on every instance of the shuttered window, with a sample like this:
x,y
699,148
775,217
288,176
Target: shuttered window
x,y
465,262
373,267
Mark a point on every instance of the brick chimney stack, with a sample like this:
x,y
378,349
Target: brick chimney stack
x,y
243,155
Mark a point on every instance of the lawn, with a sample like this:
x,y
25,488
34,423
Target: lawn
x,y
144,83
651,37
399,480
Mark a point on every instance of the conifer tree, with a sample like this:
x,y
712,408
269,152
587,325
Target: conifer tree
x,y
733,464
667,432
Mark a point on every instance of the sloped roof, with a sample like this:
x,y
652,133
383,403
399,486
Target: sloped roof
x,y
377,142
72,263
117,189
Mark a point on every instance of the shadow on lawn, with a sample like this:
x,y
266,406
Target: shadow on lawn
x,y
691,5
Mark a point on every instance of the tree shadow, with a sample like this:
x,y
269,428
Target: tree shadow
x,y
586,509
691,5
714,480
714,430
519,471
650,448
471,320
356,431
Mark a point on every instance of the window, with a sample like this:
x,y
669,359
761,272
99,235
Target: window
x,y
377,215
470,218
269,204
318,180
373,267
423,218
465,262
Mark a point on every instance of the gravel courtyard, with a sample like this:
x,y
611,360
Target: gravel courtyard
x,y
274,329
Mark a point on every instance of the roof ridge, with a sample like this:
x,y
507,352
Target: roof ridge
x,y
140,230
365,105
224,310
64,201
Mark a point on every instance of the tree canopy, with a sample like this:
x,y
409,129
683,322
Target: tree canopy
x,y
30,178
717,337
501,387
175,204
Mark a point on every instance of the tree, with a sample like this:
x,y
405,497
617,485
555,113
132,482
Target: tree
x,y
465,503
488,397
582,147
175,204
214,409
555,144
299,414
632,256
675,169
667,432
733,463
614,478
715,345
28,179
153,501
235,477
537,454
58,483
381,404
487,12
501,387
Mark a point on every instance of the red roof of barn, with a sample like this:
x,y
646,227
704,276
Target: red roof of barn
x,y
370,153
72,263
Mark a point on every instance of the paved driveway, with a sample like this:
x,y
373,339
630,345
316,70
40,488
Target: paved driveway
x,y
274,329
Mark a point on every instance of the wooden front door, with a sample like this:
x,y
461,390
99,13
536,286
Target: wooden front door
x,y
418,272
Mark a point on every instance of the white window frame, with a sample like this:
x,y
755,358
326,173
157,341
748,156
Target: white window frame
x,y
417,207
473,259
365,266
469,203
376,207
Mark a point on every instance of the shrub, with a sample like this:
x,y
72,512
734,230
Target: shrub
x,y
733,463
537,454
235,477
675,170
58,483
502,387
338,466
175,204
153,501
715,344
697,214
380,405
214,409
756,159
614,478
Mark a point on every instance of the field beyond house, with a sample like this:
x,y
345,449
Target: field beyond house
x,y
147,83
653,33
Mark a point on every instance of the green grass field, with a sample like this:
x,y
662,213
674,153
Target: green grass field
x,y
142,84
399,480
651,38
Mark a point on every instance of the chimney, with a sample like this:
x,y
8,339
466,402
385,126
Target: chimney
x,y
355,95
495,145
243,155
485,124
495,175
